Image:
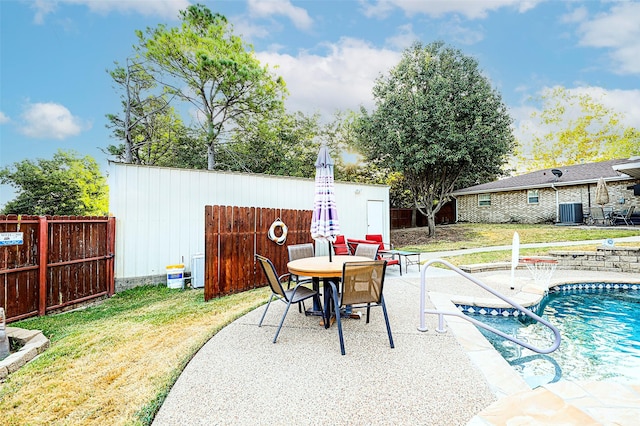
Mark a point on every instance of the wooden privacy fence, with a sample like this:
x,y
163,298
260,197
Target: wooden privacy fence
x,y
234,234
62,261
410,218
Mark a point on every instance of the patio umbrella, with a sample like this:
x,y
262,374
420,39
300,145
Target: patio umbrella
x,y
602,193
324,224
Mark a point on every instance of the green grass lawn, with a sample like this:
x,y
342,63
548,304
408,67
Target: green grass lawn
x,y
114,363
474,235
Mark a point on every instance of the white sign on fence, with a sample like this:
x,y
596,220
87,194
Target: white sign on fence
x,y
10,238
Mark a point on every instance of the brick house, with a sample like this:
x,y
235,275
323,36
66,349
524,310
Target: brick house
x,y
563,194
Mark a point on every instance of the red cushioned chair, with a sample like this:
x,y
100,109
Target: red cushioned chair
x,y
391,260
340,246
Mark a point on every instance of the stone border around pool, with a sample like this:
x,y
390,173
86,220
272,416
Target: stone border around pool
x,y
531,297
34,343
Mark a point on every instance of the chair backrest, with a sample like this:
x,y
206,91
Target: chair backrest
x,y
367,250
272,276
300,251
377,238
597,213
340,246
362,282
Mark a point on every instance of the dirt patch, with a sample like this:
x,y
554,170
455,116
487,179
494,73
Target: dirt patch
x,y
418,236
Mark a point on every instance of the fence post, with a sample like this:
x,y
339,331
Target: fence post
x,y
43,246
111,249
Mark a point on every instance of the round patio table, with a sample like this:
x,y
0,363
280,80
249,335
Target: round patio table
x,y
320,267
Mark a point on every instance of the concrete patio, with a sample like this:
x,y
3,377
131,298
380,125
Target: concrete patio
x,y
455,378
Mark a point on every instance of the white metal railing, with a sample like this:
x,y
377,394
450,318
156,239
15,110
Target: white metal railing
x,y
441,314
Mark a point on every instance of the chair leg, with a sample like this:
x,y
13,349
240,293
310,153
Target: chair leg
x,y
265,310
300,304
386,320
282,321
336,305
368,311
327,304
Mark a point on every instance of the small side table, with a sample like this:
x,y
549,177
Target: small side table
x,y
410,258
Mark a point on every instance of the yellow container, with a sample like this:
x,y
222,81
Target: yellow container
x,y
175,276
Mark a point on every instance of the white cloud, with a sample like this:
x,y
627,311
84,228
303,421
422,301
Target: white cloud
x,y
163,8
577,15
475,9
265,8
619,31
460,33
50,121
403,39
42,9
3,118
342,79
249,30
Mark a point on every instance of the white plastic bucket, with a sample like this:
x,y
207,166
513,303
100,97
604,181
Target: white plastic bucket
x,y
175,276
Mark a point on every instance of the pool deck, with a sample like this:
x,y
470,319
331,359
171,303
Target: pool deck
x,y
452,378
562,403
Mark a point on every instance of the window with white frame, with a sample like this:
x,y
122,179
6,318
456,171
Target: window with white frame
x,y
484,199
532,196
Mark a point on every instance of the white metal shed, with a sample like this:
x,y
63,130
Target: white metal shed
x,y
160,211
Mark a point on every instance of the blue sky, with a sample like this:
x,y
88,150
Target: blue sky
x,y
55,90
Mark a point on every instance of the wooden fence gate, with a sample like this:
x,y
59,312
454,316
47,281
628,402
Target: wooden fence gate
x,y
234,234
61,261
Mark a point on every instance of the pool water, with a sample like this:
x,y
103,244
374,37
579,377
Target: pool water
x,y
600,332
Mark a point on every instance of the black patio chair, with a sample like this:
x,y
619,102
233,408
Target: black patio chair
x,y
597,216
362,284
299,293
624,216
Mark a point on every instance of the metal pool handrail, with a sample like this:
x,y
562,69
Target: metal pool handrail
x,y
441,329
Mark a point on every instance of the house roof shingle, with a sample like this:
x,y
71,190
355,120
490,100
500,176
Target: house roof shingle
x,y
571,175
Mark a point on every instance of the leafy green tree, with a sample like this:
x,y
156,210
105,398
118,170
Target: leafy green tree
x,y
155,139
437,120
206,65
65,185
150,129
140,107
281,145
577,128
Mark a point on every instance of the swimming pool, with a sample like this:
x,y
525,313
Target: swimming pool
x,y
600,328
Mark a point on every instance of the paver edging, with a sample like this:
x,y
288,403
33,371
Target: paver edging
x,y
34,343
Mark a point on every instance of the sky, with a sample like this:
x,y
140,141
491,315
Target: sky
x,y
55,90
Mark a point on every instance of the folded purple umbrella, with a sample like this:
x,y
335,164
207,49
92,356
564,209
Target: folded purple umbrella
x,y
324,224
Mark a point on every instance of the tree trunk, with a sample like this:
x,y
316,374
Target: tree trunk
x,y
211,157
431,219
431,223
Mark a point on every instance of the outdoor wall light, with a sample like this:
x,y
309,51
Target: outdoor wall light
x,y
357,191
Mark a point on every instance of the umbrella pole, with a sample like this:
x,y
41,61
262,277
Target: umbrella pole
x,y
330,260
